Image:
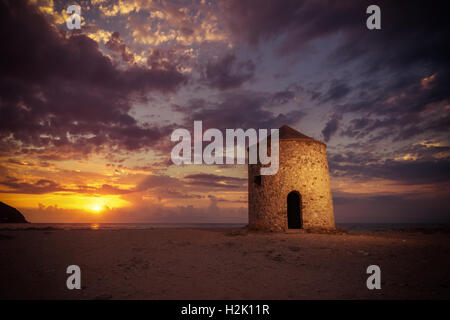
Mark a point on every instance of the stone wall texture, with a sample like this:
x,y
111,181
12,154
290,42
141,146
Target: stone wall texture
x,y
303,168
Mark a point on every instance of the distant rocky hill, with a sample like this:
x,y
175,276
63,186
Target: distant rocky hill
x,y
9,214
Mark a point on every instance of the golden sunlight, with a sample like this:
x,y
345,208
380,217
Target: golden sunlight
x,y
96,208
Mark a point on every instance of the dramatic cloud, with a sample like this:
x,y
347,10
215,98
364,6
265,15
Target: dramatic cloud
x,y
408,172
228,112
117,45
331,127
227,73
398,70
59,90
338,90
299,20
282,97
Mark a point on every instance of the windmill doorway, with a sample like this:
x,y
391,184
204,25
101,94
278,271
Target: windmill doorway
x,y
294,210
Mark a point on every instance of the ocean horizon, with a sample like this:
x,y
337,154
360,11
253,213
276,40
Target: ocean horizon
x,y
143,226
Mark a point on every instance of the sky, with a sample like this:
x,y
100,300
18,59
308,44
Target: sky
x,y
86,115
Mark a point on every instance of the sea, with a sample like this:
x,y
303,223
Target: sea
x,y
140,226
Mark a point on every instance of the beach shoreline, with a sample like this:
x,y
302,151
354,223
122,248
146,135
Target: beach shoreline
x,y
222,263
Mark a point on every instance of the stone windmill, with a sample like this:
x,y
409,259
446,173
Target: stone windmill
x,y
299,195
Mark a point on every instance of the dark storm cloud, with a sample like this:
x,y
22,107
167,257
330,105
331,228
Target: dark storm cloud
x,y
338,89
335,91
282,97
367,166
358,127
238,109
388,65
331,127
228,73
61,91
406,70
300,20
399,126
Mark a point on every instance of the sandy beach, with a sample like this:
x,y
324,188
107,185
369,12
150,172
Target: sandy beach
x,y
223,264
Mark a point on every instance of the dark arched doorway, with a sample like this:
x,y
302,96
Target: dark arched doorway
x,y
294,210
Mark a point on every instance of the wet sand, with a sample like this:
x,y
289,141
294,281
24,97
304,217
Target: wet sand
x,y
223,264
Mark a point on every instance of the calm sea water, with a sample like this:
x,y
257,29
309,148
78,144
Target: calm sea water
x,y
391,226
117,226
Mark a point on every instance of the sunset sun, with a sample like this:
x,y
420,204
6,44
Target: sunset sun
x,y
96,208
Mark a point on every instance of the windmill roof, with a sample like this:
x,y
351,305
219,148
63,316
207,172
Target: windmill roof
x,y
286,132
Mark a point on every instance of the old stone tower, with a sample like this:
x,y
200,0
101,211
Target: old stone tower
x,y
299,195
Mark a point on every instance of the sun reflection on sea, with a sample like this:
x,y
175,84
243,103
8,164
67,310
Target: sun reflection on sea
x,y
95,226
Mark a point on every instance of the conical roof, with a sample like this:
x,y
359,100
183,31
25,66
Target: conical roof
x,y
286,132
